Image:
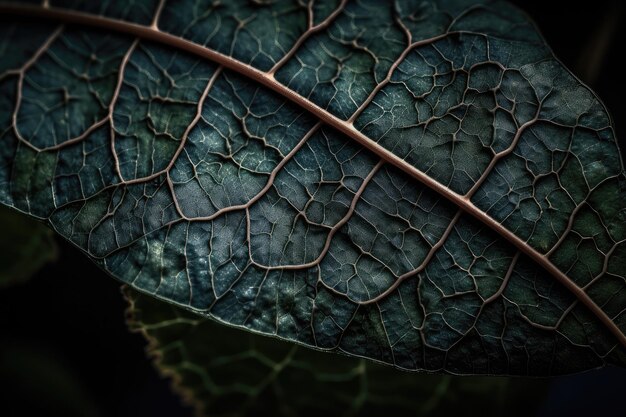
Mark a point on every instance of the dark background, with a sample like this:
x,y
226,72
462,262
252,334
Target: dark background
x,y
67,323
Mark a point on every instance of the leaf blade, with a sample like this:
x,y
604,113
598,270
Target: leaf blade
x,y
444,328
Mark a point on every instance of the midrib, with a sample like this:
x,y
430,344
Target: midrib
x,y
268,80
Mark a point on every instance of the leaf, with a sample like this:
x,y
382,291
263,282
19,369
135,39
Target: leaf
x,y
224,372
25,247
418,183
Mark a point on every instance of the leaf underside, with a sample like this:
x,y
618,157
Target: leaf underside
x,y
420,183
224,372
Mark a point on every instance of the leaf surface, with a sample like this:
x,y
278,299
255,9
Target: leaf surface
x,y
224,372
418,183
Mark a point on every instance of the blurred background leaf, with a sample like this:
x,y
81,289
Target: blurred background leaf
x,y
25,247
31,371
224,371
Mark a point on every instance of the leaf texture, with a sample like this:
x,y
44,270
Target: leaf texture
x,y
224,372
420,183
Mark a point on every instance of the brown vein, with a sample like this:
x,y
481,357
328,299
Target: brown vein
x,y
257,196
20,82
433,250
116,94
311,30
333,230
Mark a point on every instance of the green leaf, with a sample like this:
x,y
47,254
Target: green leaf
x,y
225,372
26,246
420,183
